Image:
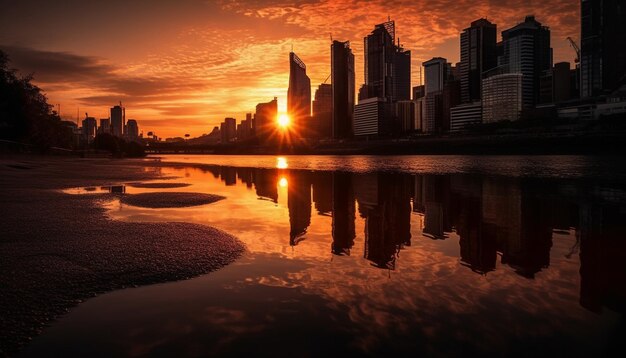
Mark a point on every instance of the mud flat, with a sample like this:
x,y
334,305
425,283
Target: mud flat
x,y
57,250
169,199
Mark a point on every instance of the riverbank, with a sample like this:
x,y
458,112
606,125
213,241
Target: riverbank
x,y
600,142
57,250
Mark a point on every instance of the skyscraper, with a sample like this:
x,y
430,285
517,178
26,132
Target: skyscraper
x,y
387,80
342,82
298,94
436,74
323,111
387,66
265,120
132,128
527,51
117,123
603,54
478,54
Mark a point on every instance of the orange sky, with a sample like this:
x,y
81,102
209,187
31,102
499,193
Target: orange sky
x,y
181,67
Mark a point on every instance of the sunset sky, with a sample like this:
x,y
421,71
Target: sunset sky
x,y
182,66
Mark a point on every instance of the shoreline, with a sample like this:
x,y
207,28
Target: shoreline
x,y
60,249
539,143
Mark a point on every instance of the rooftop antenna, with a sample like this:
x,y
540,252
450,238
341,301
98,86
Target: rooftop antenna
x,y
77,115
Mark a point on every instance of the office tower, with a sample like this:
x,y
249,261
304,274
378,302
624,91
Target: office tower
x,y
228,130
265,120
419,92
401,72
132,128
478,54
370,117
603,54
436,74
387,66
465,116
117,124
387,80
89,128
502,97
244,129
405,116
557,84
323,111
342,82
105,126
298,95
527,51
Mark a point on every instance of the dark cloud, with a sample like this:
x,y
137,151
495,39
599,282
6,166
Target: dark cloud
x,y
64,70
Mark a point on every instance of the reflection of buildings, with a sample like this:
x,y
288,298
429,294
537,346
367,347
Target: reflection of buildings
x,y
602,254
436,199
265,183
299,204
322,192
385,203
494,216
343,213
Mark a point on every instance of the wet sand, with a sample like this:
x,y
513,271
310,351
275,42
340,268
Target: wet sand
x,y
169,199
57,250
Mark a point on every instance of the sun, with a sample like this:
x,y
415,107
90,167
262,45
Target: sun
x,y
283,121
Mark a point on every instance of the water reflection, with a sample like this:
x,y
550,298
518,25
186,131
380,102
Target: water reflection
x,y
509,220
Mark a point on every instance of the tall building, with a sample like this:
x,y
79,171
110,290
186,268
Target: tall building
x,y
478,54
89,128
117,123
343,90
105,126
298,94
387,79
527,51
265,120
228,130
132,130
387,66
603,54
502,97
436,73
323,111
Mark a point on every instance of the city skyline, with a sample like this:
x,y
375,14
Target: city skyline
x,y
199,71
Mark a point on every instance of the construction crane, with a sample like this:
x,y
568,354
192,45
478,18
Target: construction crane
x,y
576,48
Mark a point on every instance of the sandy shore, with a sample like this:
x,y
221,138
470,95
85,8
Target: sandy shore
x,y
57,250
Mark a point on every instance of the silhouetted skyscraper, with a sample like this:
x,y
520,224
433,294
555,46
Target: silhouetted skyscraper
x,y
323,111
478,54
265,120
298,94
527,51
117,124
387,66
132,130
342,81
603,53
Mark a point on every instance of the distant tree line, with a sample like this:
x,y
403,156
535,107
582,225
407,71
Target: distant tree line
x,y
25,115
27,118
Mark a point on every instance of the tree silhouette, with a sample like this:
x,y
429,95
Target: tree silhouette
x,y
25,115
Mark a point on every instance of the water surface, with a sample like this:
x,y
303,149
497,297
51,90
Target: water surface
x,y
380,255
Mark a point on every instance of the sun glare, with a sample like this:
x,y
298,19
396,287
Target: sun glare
x,y
283,121
281,163
282,182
